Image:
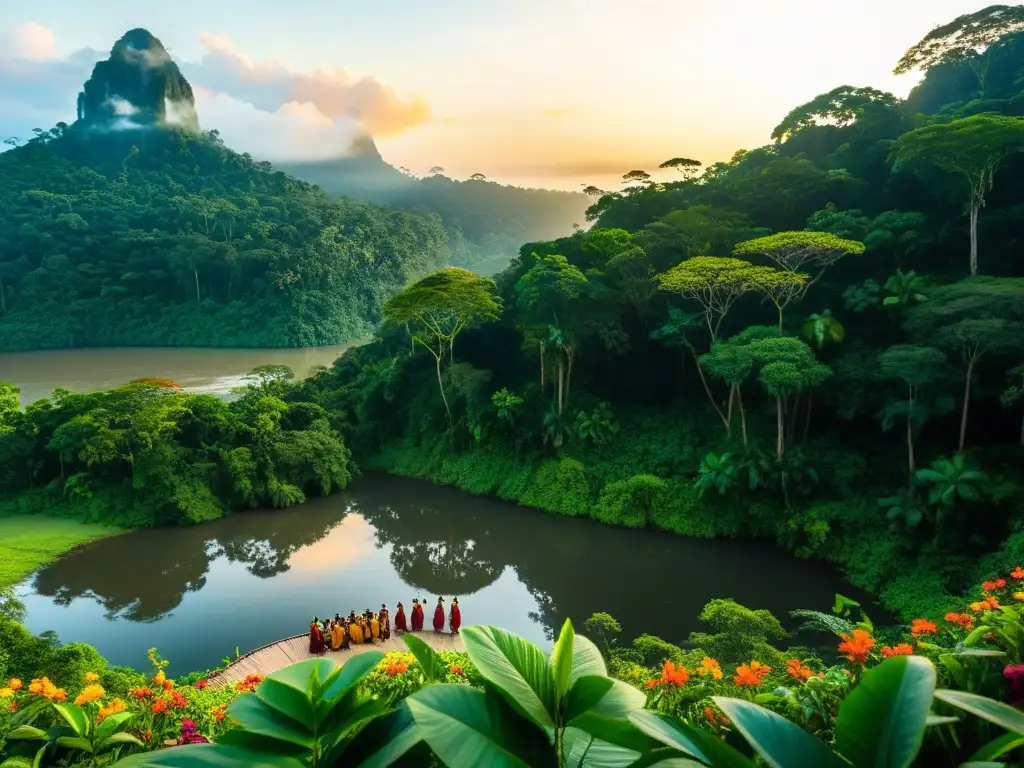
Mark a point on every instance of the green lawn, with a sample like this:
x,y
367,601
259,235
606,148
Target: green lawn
x,y
29,542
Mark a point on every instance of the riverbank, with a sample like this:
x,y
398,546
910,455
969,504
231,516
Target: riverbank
x,y
614,490
27,543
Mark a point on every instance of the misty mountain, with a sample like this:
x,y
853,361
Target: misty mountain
x,y
486,222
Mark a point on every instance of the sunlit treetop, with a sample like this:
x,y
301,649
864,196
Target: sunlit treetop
x,y
684,165
973,146
840,106
794,250
963,40
642,176
445,302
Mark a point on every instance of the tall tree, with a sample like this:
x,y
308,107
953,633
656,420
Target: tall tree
x,y
915,366
437,308
973,147
965,39
840,106
801,251
974,317
684,165
780,286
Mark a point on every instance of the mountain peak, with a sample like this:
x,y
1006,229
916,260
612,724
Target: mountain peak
x,y
139,85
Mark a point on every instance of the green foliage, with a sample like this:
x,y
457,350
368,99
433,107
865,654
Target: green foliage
x,y
560,485
738,633
189,244
630,502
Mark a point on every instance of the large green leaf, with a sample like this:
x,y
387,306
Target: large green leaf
x,y
122,737
290,691
665,758
584,695
257,718
586,659
779,742
515,666
620,700
882,721
617,731
75,717
998,747
26,732
207,756
994,711
347,723
582,750
345,681
669,731
112,724
433,666
16,762
467,728
75,742
561,660
384,740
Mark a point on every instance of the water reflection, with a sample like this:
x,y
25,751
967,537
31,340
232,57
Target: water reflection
x,y
254,577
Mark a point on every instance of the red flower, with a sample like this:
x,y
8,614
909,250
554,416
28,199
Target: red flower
x,y
200,684
964,620
903,649
455,669
922,627
178,700
160,705
709,713
673,675
797,670
1017,573
857,646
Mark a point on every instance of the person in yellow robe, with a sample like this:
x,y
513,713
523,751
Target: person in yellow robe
x,y
356,630
375,627
337,636
365,626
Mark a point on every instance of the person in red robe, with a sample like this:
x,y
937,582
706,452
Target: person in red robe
x,y
417,616
454,616
400,625
316,637
439,615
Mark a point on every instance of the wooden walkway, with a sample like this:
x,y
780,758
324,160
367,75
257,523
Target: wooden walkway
x,y
270,658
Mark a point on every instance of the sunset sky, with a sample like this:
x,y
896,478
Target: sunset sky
x,y
553,93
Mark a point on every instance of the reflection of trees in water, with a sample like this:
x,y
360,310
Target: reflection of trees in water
x,y
143,575
431,548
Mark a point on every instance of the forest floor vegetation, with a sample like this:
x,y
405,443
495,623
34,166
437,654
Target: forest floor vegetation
x,y
29,543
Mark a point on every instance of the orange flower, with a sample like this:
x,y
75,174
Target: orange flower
x,y
903,649
91,677
160,705
962,619
90,693
219,712
36,686
250,683
989,586
652,683
1017,573
797,670
159,678
922,627
200,684
147,735
752,674
455,669
709,666
145,692
168,685
178,700
59,696
709,715
13,707
15,684
858,646
673,675
43,687
113,708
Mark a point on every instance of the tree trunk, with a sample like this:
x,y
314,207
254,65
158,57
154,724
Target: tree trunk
x,y
728,410
561,378
743,414
967,402
976,202
792,412
780,316
195,273
441,387
707,390
568,373
540,344
911,465
778,415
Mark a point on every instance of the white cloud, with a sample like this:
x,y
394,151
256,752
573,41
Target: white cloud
x,y
30,41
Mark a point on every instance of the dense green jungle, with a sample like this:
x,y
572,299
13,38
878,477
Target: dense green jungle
x,y
819,342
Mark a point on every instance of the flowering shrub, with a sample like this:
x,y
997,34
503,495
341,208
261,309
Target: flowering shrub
x,y
399,674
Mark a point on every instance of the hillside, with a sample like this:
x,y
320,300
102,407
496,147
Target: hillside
x,y
128,228
486,221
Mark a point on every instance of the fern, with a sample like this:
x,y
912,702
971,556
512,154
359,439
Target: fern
x,y
816,621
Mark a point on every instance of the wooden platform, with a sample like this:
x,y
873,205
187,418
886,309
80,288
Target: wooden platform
x,y
270,658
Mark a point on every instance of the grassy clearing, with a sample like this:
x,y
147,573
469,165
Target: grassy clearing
x,y
30,542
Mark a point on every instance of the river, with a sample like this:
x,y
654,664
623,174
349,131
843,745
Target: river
x,y
199,592
210,370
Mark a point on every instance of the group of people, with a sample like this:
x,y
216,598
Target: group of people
x,y
339,633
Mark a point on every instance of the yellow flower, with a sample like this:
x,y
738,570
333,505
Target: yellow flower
x,y
14,684
91,677
1018,595
711,667
6,693
90,693
112,708
159,677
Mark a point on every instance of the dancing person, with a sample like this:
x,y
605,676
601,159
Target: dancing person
x,y
375,627
385,623
454,616
400,625
439,615
417,615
